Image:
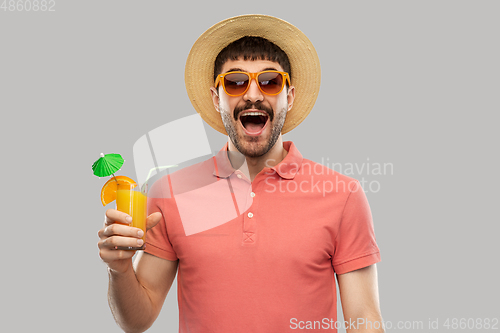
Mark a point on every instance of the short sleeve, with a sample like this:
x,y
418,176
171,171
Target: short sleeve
x,y
355,243
157,241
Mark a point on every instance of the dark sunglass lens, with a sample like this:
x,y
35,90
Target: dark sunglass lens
x,y
235,83
271,83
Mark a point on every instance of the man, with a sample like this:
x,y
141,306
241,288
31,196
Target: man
x,y
257,233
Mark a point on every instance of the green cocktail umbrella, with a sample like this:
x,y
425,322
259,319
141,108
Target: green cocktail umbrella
x,y
107,165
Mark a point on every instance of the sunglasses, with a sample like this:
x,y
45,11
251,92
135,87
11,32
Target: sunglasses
x,y
237,83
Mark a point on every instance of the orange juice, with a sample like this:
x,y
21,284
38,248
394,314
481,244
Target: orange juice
x,y
134,203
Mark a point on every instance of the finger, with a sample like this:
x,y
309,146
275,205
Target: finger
x,y
100,233
121,230
109,255
113,216
153,220
115,242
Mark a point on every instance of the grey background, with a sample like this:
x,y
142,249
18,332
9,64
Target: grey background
x,y
412,83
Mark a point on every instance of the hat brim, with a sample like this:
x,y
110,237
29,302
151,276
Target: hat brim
x,y
304,61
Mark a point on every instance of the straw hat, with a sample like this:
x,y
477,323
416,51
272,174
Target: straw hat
x,y
304,61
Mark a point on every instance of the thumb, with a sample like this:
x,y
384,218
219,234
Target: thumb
x,y
153,220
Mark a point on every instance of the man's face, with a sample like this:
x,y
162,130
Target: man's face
x,y
253,120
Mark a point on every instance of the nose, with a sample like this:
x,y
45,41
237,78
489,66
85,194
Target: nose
x,y
253,94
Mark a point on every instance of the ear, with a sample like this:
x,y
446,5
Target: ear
x,y
215,98
290,97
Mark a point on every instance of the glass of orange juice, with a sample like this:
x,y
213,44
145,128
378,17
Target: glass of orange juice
x,y
130,200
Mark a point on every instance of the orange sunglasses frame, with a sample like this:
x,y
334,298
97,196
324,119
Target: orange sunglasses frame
x,y
253,76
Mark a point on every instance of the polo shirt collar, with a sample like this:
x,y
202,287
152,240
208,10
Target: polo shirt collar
x,y
222,165
287,168
292,162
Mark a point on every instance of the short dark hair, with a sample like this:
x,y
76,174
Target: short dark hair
x,y
252,48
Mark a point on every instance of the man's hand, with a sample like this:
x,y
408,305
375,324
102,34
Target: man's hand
x,y
117,233
135,296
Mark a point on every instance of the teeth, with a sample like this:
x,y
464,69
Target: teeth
x,y
254,113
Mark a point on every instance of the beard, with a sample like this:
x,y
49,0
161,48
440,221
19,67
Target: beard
x,y
253,148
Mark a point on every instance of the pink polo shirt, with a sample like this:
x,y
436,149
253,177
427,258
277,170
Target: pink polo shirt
x,y
260,256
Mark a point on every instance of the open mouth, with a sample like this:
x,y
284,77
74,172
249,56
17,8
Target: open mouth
x,y
254,121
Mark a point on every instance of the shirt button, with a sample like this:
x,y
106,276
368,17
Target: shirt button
x,y
238,175
252,194
250,214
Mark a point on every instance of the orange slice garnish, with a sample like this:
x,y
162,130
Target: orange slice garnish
x,y
108,191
